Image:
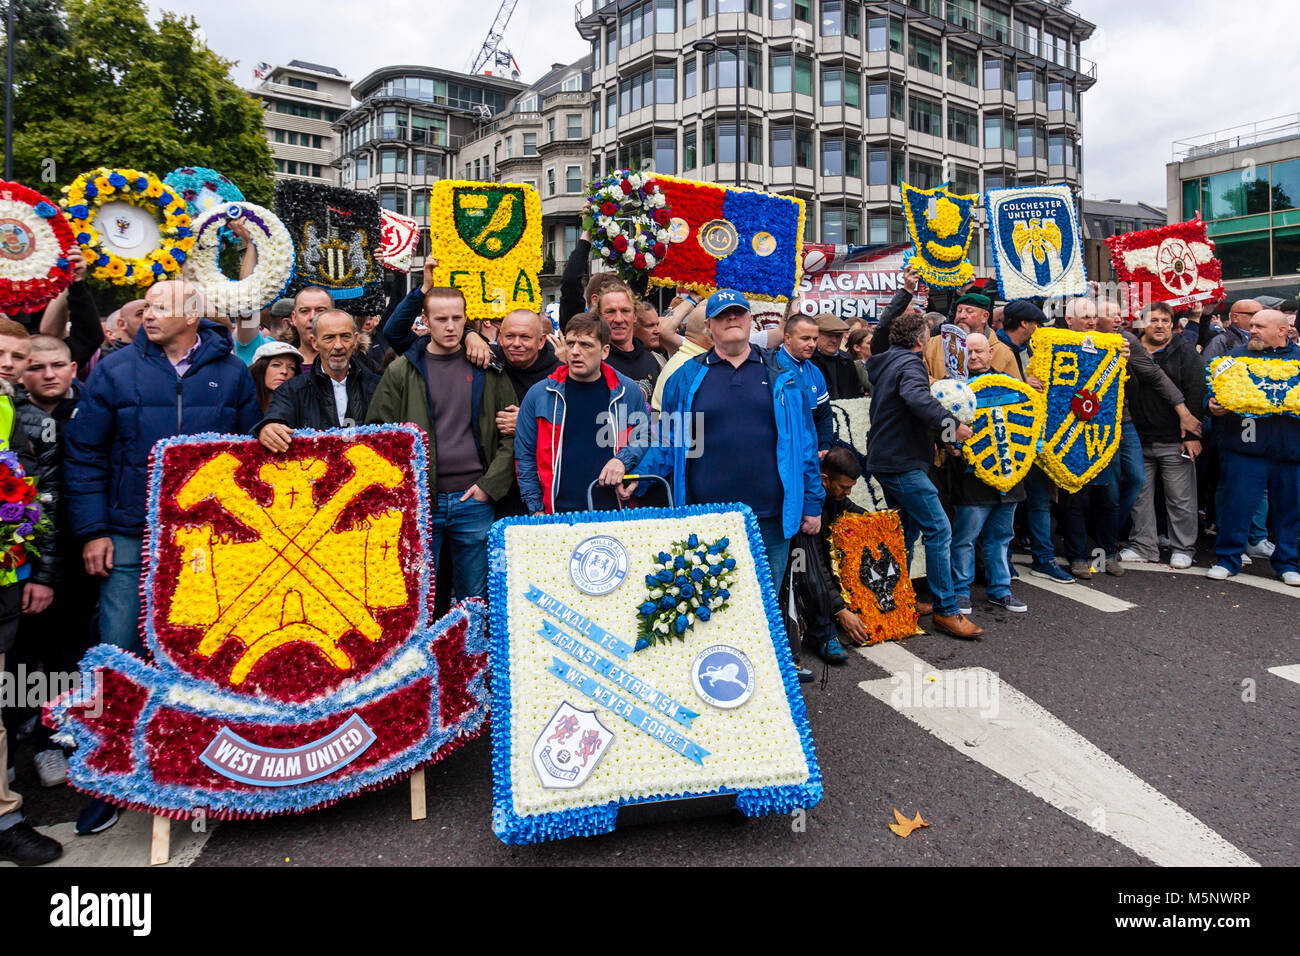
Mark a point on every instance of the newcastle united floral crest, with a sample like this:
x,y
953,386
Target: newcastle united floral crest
x,y
1084,373
487,238
1037,245
287,602
336,236
939,226
1008,428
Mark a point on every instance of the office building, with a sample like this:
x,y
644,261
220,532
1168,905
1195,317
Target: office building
x,y
300,102
1112,217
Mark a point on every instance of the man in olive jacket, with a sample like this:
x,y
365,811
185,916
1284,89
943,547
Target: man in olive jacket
x,y
471,464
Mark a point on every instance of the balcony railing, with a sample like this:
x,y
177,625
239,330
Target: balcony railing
x,y
1235,137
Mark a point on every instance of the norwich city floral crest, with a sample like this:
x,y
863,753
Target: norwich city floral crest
x,y
1084,373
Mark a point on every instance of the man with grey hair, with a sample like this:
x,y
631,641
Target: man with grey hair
x,y
334,392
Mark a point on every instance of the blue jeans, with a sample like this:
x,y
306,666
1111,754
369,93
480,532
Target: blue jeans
x,y
120,604
1038,511
1127,473
466,524
1259,517
914,495
777,546
1247,478
994,525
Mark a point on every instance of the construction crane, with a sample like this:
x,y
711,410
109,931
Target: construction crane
x,y
493,51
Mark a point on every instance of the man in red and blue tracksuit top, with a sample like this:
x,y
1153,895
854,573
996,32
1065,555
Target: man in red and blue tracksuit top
x,y
584,422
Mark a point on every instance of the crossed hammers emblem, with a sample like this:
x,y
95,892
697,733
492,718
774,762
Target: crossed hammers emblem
x,y
286,562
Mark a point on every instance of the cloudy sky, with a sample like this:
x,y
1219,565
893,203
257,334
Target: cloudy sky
x,y
1167,69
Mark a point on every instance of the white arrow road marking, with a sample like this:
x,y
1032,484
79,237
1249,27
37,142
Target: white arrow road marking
x,y
1253,580
1078,591
126,843
1289,672
1036,751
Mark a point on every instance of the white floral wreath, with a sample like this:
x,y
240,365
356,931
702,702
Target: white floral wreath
x,y
625,222
275,259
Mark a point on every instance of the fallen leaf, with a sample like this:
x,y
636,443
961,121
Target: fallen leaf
x,y
904,826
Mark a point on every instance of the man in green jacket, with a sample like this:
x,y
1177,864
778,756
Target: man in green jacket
x,y
471,464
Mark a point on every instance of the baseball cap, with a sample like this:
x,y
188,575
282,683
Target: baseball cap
x,y
282,308
272,349
831,323
722,300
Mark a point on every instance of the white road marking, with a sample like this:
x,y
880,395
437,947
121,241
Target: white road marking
x,y
1252,580
1036,751
126,843
1078,591
1289,672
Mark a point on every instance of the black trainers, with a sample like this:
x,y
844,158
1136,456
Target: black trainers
x,y
22,844
97,817
805,675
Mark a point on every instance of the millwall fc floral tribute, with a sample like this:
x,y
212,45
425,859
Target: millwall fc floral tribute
x,y
628,217
691,582
1255,385
487,239
1084,373
133,228
585,723
287,614
35,241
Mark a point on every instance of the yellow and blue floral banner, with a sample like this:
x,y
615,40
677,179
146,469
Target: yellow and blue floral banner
x,y
1008,429
1256,385
1084,374
939,226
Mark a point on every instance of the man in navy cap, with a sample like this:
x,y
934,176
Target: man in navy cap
x,y
746,429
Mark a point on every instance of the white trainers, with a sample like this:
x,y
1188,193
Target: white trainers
x,y
1292,578
1264,549
1218,573
1180,560
1129,556
52,768
1245,560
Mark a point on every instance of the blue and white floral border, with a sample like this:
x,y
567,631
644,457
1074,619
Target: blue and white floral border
x,y
998,255
512,828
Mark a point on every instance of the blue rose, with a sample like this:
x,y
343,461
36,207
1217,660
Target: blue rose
x,y
667,602
78,211
182,232
687,592
142,184
83,238
130,269
44,210
715,570
162,200
102,260
703,613
158,269
62,263
702,555
91,191
681,624
693,541
679,562
719,546
117,179
729,564
24,529
680,580
179,255
651,581
697,574
665,576
724,593
648,608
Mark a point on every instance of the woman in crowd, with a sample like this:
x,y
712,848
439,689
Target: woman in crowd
x,y
273,364
860,351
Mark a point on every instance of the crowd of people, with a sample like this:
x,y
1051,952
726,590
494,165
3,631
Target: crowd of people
x,y
524,419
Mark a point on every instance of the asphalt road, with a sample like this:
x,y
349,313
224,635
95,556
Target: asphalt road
x,y
1164,688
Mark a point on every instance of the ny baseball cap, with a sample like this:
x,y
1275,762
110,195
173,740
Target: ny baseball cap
x,y
722,300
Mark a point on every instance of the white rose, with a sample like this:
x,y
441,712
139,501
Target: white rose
x,y
656,594
612,229
629,255
650,261
682,608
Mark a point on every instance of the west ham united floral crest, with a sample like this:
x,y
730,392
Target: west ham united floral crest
x,y
287,602
1084,373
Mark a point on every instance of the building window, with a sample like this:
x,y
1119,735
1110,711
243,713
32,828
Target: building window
x,y
995,23
791,70
924,116
689,158
595,115
550,182
363,166
478,170
688,12
302,84
781,146
530,144
1025,142
924,175
666,154
550,129
923,53
841,158
665,84
884,169
732,143
999,132
1244,255
884,34
840,88
837,20
420,203
965,180
394,200
595,54
392,161
962,65
688,77
611,110
885,101
961,13
1025,85
665,16
611,45
573,124
1056,95
573,179
721,69
963,127
426,164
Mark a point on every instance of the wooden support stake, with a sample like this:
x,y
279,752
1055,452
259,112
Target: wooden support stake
x,y
160,850
417,795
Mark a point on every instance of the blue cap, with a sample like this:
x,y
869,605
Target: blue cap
x,y
722,300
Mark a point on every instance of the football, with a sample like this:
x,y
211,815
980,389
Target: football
x,y
956,397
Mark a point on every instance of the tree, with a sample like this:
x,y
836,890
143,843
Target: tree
x,y
96,84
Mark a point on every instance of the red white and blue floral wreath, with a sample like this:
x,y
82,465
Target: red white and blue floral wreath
x,y
627,217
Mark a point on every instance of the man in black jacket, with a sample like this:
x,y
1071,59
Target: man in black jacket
x,y
1167,446
900,448
836,366
527,357
334,393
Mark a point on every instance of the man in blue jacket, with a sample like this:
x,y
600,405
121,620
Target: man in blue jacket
x,y
796,353
179,377
574,425
900,449
1260,454
753,443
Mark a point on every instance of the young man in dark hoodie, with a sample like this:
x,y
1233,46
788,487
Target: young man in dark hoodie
x,y
627,356
900,448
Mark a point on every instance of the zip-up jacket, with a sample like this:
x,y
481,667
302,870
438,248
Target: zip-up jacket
x,y
307,400
818,396
796,445
133,399
403,396
539,433
904,414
